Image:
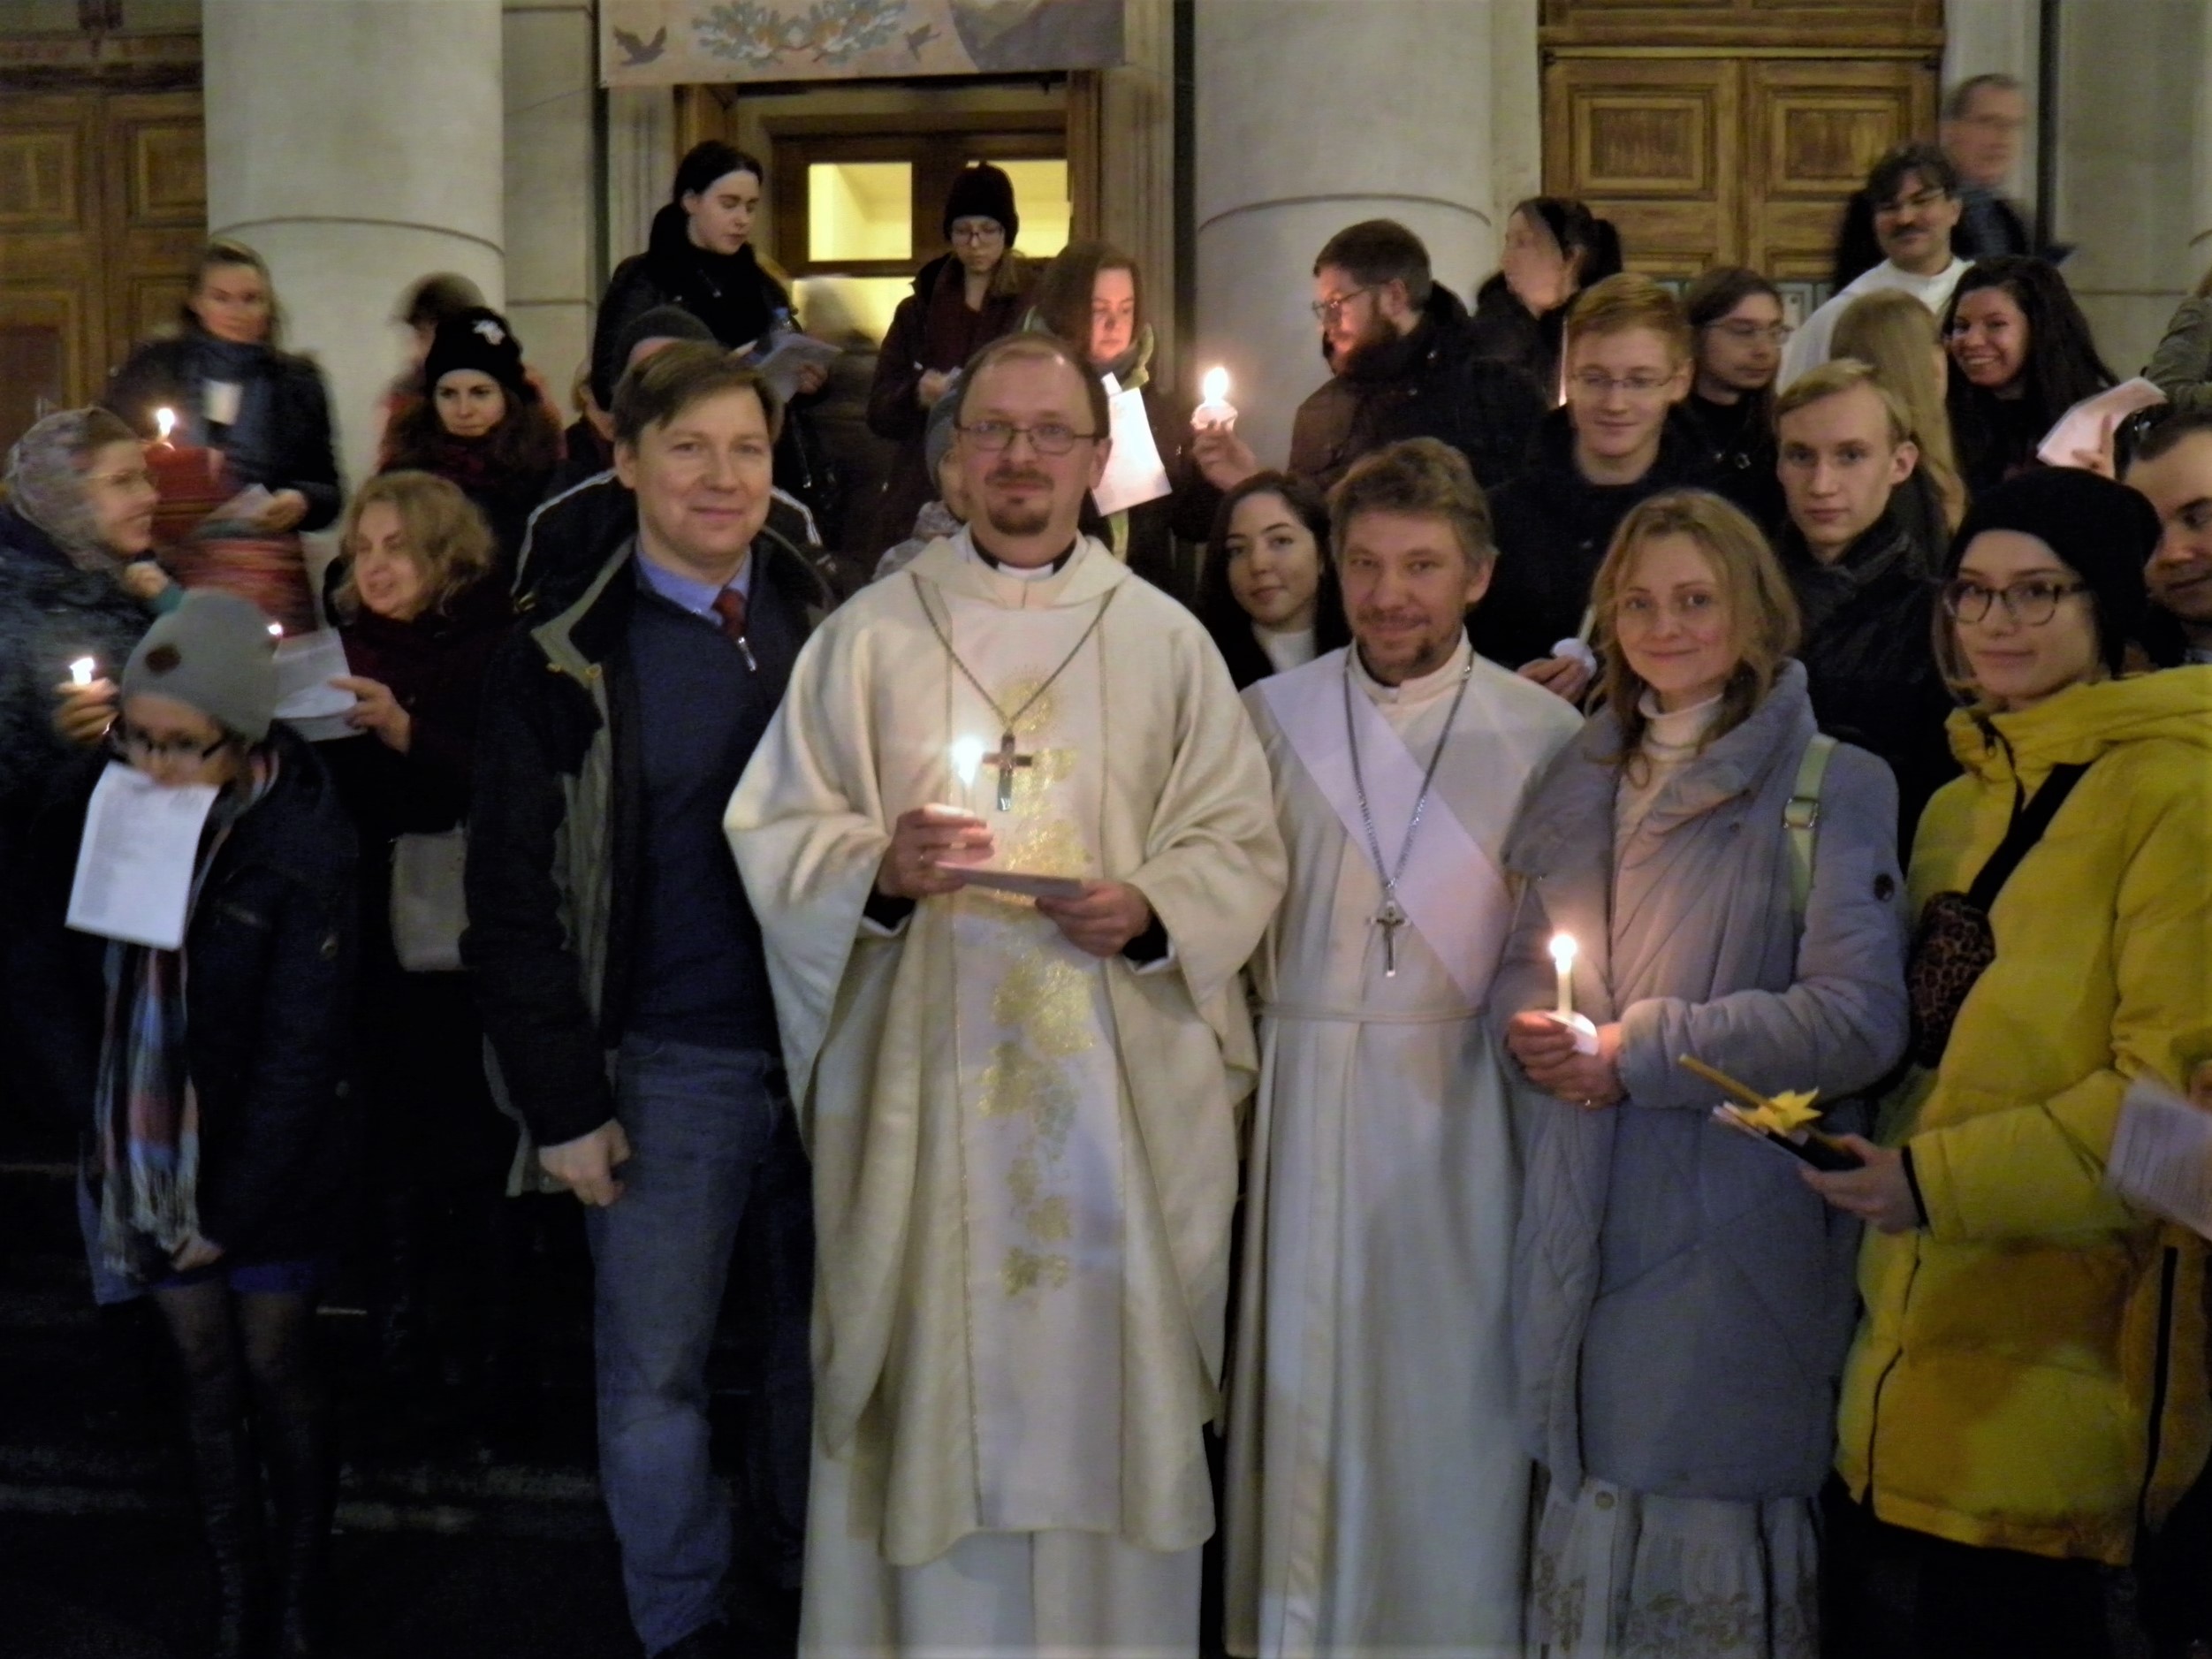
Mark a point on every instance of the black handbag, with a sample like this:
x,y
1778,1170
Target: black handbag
x,y
1954,945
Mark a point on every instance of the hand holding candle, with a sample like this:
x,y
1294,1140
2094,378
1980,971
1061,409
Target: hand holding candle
x,y
165,423
1217,410
81,672
87,708
1563,951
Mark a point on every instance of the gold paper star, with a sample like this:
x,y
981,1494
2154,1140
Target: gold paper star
x,y
1786,1113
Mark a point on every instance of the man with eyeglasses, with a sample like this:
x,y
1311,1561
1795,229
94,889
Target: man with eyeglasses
x,y
1404,363
1915,192
1011,838
1865,576
1984,119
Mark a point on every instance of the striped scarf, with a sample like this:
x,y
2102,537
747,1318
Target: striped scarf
x,y
148,1109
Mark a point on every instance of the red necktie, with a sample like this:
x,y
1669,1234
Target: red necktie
x,y
729,604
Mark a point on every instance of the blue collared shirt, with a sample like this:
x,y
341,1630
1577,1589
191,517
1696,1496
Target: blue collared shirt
x,y
697,597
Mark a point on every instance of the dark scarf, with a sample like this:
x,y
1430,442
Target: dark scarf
x,y
248,441
729,293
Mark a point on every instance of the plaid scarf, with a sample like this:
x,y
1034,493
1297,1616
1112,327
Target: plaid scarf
x,y
148,1109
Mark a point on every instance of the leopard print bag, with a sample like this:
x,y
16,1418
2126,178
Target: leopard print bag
x,y
1954,944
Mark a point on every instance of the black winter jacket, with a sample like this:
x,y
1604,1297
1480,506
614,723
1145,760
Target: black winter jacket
x,y
1553,527
1430,382
556,842
268,1003
1506,332
160,375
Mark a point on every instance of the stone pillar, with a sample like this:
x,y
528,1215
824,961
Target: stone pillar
x,y
641,164
1310,118
2134,187
551,225
357,144
1997,37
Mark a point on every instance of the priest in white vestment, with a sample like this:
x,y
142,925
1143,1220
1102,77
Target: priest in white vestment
x,y
1378,1488
1020,1109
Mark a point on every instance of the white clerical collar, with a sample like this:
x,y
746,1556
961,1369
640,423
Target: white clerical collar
x,y
1424,688
1021,573
1287,648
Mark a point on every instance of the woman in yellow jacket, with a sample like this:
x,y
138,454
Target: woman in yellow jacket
x,y
2027,1391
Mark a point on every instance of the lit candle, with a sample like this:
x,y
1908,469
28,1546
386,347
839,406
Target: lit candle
x,y
1564,959
165,423
1217,410
81,672
967,753
275,630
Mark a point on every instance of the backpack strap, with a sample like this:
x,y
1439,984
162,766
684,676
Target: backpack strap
x,y
2028,824
1801,820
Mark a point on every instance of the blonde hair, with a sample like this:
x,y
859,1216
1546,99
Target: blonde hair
x,y
1762,612
1833,379
439,527
1895,335
1625,301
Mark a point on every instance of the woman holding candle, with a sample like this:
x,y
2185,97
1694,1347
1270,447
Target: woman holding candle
x,y
1682,1309
421,622
481,424
209,1080
2027,1398
252,451
1267,593
79,509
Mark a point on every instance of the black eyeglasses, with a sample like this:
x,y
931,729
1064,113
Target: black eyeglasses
x,y
1048,437
137,748
2031,604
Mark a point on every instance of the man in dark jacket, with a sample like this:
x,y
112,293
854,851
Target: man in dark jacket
x,y
1619,438
1866,587
619,967
1404,363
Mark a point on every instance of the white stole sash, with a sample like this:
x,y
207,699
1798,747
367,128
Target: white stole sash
x,y
1452,890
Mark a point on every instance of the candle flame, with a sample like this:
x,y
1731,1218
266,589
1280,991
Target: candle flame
x,y
1215,384
275,630
80,671
1563,948
166,422
967,753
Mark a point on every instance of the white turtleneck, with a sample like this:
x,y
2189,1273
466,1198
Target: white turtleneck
x,y
1671,741
1287,648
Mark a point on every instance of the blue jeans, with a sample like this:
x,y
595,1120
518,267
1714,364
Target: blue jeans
x,y
711,1139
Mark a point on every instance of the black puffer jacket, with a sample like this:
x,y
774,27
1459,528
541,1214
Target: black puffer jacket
x,y
1506,332
1430,382
1869,655
269,951
1553,527
730,293
163,374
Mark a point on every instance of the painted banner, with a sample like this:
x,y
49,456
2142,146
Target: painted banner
x,y
662,42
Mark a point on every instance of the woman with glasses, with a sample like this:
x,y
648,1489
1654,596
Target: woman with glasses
x,y
208,1079
1735,318
2021,356
962,299
1682,1302
2026,1393
79,510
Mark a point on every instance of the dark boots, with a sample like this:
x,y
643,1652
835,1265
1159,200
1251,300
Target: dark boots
x,y
231,1516
303,1480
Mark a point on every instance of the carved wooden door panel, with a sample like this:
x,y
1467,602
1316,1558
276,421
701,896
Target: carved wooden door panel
x,y
102,209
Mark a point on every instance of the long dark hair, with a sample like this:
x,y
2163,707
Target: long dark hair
x,y
526,442
1590,243
707,161
1711,298
2061,369
1226,619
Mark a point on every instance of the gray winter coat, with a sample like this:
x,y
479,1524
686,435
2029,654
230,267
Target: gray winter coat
x,y
1682,1301
2182,366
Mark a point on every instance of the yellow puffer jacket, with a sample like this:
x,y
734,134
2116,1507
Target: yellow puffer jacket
x,y
2030,1372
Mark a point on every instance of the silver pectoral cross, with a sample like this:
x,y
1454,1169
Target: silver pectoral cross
x,y
1006,760
1390,918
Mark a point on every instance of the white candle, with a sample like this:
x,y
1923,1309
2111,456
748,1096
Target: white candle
x,y
275,630
80,671
967,753
1564,959
165,423
1217,410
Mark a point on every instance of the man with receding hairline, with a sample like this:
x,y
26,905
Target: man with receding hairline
x,y
1019,1098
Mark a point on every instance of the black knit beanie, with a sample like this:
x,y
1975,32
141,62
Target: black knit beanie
x,y
983,192
479,340
2101,531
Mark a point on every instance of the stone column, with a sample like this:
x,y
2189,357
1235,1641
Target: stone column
x,y
641,165
1312,116
552,211
2134,184
1997,37
357,144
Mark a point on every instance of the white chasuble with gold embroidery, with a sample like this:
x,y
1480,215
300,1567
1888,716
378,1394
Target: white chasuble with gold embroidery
x,y
1025,1157
1378,1490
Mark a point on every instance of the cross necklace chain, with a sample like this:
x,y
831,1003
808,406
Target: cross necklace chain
x,y
1392,916
1006,757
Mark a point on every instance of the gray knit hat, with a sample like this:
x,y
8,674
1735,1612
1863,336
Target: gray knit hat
x,y
213,653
